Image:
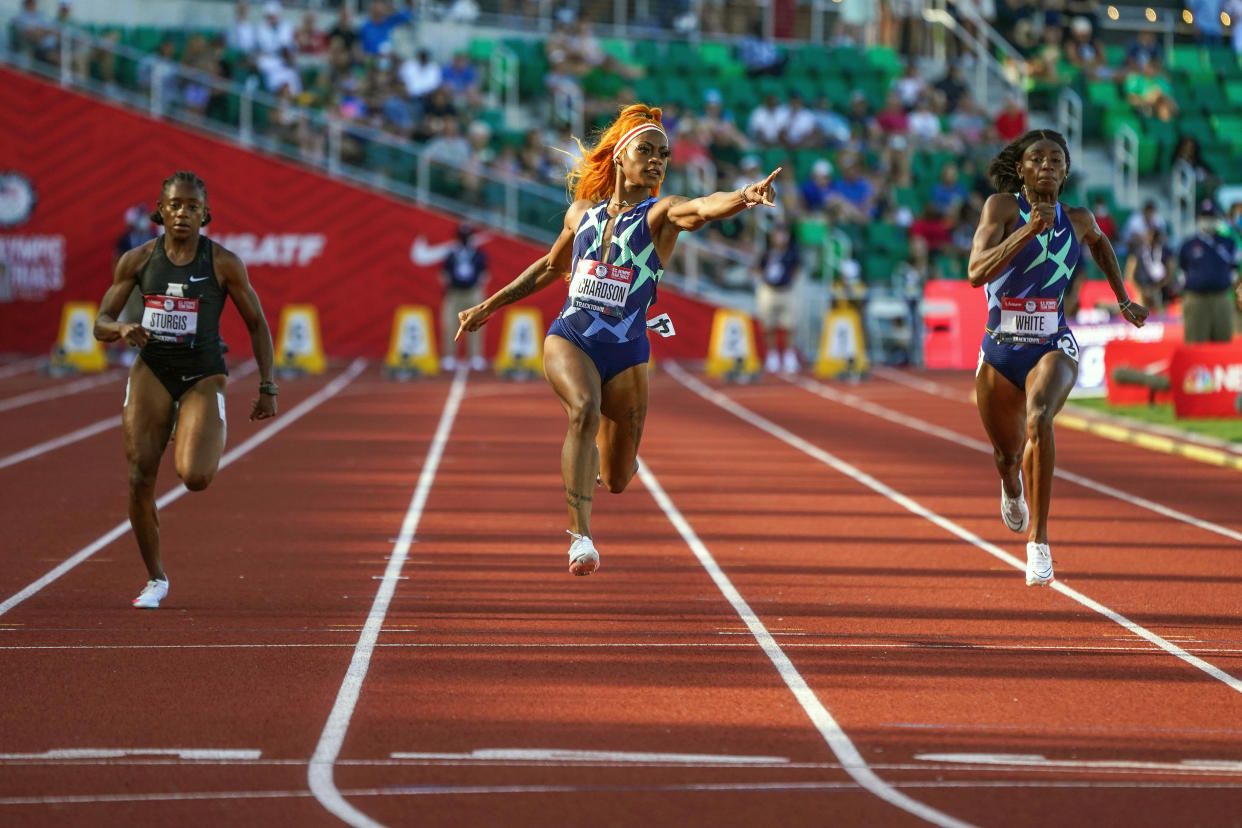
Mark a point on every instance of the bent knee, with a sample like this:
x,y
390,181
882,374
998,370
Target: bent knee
x,y
1039,423
616,483
196,481
584,416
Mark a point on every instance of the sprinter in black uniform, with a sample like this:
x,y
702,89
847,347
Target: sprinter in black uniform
x,y
180,374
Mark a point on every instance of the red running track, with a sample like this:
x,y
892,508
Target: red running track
x,y
807,614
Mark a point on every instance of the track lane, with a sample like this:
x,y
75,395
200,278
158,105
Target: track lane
x,y
944,616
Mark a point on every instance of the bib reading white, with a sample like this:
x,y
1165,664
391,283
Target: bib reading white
x,y
1027,320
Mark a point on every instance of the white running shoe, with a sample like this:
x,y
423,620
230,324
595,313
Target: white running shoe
x,y
583,558
1038,564
1013,510
772,362
152,594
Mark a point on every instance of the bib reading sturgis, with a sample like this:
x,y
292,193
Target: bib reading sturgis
x,y
610,290
1025,302
182,303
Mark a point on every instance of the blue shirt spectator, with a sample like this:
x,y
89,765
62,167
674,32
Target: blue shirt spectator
x,y
376,30
1208,262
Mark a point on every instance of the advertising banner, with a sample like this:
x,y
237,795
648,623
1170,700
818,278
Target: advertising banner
x,y
1206,379
72,170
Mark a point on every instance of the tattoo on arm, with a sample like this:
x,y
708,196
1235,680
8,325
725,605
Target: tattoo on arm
x,y
576,499
518,290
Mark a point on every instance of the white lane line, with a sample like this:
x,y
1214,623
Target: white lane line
x,y
320,772
60,442
211,754
1204,766
21,367
840,744
57,392
640,645
722,787
89,431
608,757
916,424
267,432
788,437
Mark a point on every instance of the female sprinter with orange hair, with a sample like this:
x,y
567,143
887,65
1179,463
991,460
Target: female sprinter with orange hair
x,y
618,233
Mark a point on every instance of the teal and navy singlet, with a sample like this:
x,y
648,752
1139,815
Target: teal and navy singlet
x,y
1026,313
181,311
605,313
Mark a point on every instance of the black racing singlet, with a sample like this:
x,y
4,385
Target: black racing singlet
x,y
182,305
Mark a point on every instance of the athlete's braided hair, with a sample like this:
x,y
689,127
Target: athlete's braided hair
x,y
183,177
1003,169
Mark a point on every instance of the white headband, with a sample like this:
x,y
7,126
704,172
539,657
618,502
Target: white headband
x,y
625,139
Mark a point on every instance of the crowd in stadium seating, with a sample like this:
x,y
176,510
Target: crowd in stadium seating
x,y
873,151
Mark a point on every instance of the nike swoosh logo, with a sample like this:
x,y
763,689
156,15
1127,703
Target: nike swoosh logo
x,y
191,379
197,278
1059,232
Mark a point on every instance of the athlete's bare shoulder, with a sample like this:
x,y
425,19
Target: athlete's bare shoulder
x,y
136,258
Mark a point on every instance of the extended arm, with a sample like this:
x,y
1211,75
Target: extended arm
x,y
1105,257
693,213
542,272
237,284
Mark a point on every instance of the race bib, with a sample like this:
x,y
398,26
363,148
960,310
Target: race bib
x,y
1027,320
169,319
600,287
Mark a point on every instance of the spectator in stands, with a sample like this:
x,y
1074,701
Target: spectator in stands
x,y
375,33
203,67
856,21
759,55
343,31
930,234
438,109
242,35
464,275
1149,270
1143,49
727,142
160,67
800,123
833,129
1206,179
767,122
911,85
421,75
1043,65
461,77
273,34
1084,51
308,40
851,197
1206,20
951,88
948,193
970,126
925,127
1104,218
1010,121
1149,91
1138,222
776,307
36,35
817,187
281,73
1209,263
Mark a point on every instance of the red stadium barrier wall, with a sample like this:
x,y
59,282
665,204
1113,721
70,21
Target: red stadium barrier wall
x,y
70,166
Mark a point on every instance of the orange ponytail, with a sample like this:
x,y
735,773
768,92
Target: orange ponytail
x,y
593,177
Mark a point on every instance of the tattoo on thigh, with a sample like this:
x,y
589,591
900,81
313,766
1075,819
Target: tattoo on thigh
x,y
576,499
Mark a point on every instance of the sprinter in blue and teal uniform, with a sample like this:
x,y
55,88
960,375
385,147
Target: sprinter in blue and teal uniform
x,y
1024,253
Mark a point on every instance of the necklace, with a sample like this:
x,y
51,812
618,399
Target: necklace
x,y
624,203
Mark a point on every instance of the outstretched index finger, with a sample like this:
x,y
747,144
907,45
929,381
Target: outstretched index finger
x,y
772,175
